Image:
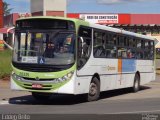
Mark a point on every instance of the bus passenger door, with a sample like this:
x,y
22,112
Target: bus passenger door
x,y
84,50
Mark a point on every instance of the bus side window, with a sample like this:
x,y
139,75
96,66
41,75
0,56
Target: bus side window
x,y
122,52
131,53
140,54
149,50
139,44
140,51
99,44
132,42
111,49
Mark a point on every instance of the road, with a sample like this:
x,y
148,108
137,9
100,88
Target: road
x,y
111,102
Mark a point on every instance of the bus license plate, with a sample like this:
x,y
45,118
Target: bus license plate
x,y
36,86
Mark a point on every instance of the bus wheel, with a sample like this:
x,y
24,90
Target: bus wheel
x,y
136,85
94,90
41,96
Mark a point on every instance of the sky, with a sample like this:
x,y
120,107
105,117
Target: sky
x,y
97,6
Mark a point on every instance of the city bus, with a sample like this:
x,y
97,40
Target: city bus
x,y
54,55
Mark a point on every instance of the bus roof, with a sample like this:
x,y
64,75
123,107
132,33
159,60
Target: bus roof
x,y
51,17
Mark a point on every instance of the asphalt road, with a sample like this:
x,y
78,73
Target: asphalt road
x,y
111,102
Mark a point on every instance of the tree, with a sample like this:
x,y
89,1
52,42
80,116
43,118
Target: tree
x,y
6,8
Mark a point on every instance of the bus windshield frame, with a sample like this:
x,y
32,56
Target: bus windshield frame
x,y
44,47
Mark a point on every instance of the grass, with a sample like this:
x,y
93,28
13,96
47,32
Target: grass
x,y
5,63
158,56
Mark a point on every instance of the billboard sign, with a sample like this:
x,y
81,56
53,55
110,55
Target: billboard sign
x,y
100,18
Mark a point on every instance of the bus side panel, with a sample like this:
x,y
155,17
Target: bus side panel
x,y
146,69
129,80
108,82
105,68
126,73
82,84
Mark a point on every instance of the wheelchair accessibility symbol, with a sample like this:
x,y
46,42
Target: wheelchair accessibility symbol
x,y
41,61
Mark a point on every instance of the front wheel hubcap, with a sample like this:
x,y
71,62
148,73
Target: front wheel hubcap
x,y
93,89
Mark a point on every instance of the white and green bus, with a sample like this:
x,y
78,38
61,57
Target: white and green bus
x,y
69,56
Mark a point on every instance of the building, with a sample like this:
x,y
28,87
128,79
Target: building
x,y
10,20
48,7
7,32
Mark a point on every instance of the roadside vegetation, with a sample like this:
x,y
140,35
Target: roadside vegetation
x,y
5,63
6,8
158,56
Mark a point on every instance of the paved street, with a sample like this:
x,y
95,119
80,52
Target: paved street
x,y
111,102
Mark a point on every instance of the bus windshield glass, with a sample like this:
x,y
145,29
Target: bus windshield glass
x,y
41,47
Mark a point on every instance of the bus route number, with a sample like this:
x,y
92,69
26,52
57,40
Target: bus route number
x,y
24,74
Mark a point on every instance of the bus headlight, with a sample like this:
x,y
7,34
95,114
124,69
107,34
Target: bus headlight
x,y
64,78
16,77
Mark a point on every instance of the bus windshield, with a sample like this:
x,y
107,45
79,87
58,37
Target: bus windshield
x,y
47,48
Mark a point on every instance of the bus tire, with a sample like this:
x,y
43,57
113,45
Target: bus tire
x,y
41,96
136,84
94,90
